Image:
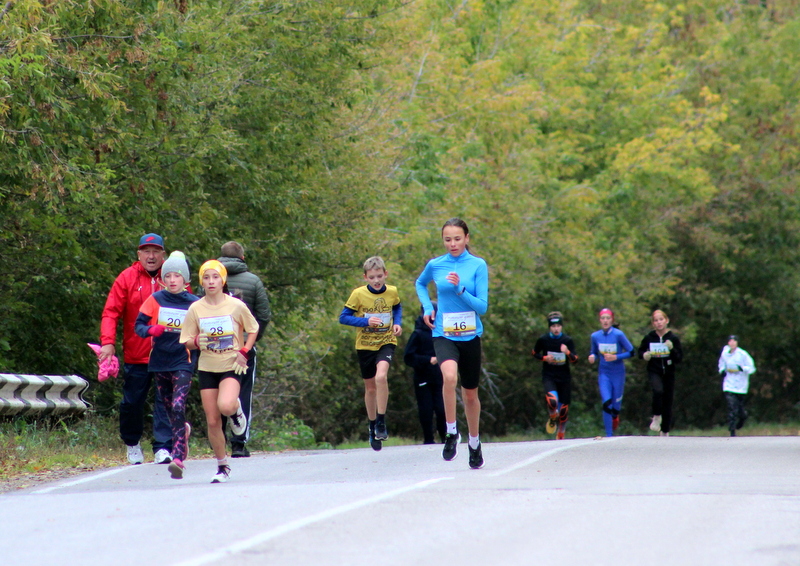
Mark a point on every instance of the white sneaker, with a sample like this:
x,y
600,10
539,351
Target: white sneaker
x,y
655,425
222,475
162,457
238,421
135,455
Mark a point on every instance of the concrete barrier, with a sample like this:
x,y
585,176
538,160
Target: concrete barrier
x,y
42,394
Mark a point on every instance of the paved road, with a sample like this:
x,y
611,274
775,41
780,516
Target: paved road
x,y
627,500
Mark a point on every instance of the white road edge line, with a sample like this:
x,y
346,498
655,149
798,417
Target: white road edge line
x,y
82,480
246,544
548,453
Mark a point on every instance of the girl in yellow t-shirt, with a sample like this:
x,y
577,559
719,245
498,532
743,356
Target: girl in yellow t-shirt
x,y
215,325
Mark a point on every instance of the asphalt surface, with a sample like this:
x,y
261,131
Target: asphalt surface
x,y
620,501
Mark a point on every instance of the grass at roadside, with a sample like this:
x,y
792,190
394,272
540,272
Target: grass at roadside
x,y
33,451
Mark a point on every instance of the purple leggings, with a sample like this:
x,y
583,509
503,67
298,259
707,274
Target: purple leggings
x,y
174,387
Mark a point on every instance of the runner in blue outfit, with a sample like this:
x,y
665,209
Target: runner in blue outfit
x,y
611,347
462,287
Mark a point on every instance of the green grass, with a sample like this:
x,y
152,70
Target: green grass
x,y
29,447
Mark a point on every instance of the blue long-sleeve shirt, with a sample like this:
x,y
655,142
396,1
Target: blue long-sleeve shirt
x,y
461,306
612,341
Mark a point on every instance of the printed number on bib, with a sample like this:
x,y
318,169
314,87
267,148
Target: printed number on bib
x,y
219,330
559,358
659,350
171,318
460,324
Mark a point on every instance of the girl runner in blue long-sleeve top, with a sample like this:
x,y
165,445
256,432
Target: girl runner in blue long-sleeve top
x,y
611,347
462,287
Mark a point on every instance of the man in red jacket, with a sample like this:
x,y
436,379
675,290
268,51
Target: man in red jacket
x,y
129,291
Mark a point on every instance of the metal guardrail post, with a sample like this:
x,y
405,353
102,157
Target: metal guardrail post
x,y
42,394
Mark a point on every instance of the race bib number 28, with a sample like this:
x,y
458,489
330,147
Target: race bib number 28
x,y
219,330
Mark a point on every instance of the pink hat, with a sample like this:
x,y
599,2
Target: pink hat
x,y
108,367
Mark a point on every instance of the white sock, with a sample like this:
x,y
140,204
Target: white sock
x,y
451,428
474,441
223,462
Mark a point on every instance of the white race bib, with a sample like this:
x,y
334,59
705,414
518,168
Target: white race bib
x,y
558,358
219,330
459,323
607,348
386,320
659,350
171,318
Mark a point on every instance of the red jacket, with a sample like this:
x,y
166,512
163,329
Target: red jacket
x,y
129,291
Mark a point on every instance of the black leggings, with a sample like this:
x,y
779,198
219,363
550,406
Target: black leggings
x,y
663,395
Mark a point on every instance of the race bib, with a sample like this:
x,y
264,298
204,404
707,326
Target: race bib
x,y
558,358
607,348
386,321
459,323
219,330
659,350
172,319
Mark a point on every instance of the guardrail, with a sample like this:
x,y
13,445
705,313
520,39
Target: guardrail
x,y
42,394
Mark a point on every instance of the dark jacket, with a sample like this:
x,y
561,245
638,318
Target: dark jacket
x,y
661,366
247,287
545,344
418,354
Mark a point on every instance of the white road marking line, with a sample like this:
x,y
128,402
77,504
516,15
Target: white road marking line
x,y
548,453
246,544
82,480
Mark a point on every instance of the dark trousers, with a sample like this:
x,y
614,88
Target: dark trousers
x,y
736,412
430,402
663,396
131,409
247,382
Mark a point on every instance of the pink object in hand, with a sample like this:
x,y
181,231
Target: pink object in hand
x,y
108,367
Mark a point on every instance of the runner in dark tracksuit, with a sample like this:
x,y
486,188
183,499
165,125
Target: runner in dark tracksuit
x,y
557,351
662,351
421,357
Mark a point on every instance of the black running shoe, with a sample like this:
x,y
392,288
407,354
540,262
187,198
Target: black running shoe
x,y
381,433
450,450
374,443
475,457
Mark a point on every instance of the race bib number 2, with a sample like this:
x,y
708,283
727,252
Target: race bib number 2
x,y
460,324
219,330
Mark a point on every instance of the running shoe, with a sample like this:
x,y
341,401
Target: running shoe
x,y
222,475
475,457
176,468
162,456
552,422
655,425
560,435
615,422
450,450
135,455
238,421
380,431
374,443
239,450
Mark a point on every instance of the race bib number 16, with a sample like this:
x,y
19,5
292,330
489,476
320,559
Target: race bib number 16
x,y
459,323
